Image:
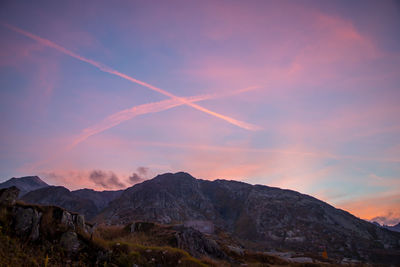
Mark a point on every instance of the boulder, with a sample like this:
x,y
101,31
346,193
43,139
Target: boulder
x,y
8,196
69,241
197,244
27,222
141,226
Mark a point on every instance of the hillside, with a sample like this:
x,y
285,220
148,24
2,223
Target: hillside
x,y
36,235
259,216
252,217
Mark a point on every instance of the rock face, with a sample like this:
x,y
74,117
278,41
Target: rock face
x,y
27,222
196,243
32,222
24,184
268,217
180,236
69,241
100,199
8,196
85,201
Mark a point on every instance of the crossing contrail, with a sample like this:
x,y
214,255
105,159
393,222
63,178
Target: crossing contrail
x,y
107,69
127,114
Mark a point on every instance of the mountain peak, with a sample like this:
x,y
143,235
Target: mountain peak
x,y
174,176
25,184
31,180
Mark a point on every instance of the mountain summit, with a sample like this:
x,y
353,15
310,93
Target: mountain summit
x,y
25,184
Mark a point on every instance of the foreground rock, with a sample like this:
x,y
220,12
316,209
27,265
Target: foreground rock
x,y
32,222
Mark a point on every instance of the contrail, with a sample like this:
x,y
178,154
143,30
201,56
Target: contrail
x,y
127,114
107,69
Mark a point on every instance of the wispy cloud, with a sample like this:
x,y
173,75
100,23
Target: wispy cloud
x,y
107,69
127,114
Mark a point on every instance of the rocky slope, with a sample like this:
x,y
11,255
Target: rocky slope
x,y
257,217
35,235
24,184
260,216
100,198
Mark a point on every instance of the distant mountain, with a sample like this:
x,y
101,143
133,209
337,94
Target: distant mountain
x,y
262,217
24,184
100,198
84,201
395,228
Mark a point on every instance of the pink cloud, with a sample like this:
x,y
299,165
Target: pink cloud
x,y
107,69
94,179
127,114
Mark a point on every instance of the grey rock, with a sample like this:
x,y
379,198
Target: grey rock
x,y
69,241
197,244
8,196
141,227
236,250
27,222
67,220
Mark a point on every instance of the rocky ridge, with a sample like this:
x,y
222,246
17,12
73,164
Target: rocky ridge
x,y
261,217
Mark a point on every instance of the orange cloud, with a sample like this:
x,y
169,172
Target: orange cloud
x,y
384,205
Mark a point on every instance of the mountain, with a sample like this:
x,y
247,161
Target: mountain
x,y
24,184
84,201
395,228
261,217
100,198
38,235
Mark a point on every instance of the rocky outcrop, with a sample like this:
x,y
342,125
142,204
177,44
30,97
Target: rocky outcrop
x,y
33,222
196,243
8,196
69,241
180,236
27,222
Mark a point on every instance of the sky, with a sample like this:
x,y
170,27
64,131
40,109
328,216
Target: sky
x,y
301,95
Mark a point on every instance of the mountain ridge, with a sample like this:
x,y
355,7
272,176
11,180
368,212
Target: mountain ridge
x,y
259,216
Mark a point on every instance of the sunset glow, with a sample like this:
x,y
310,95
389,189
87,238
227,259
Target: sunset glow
x,y
301,95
